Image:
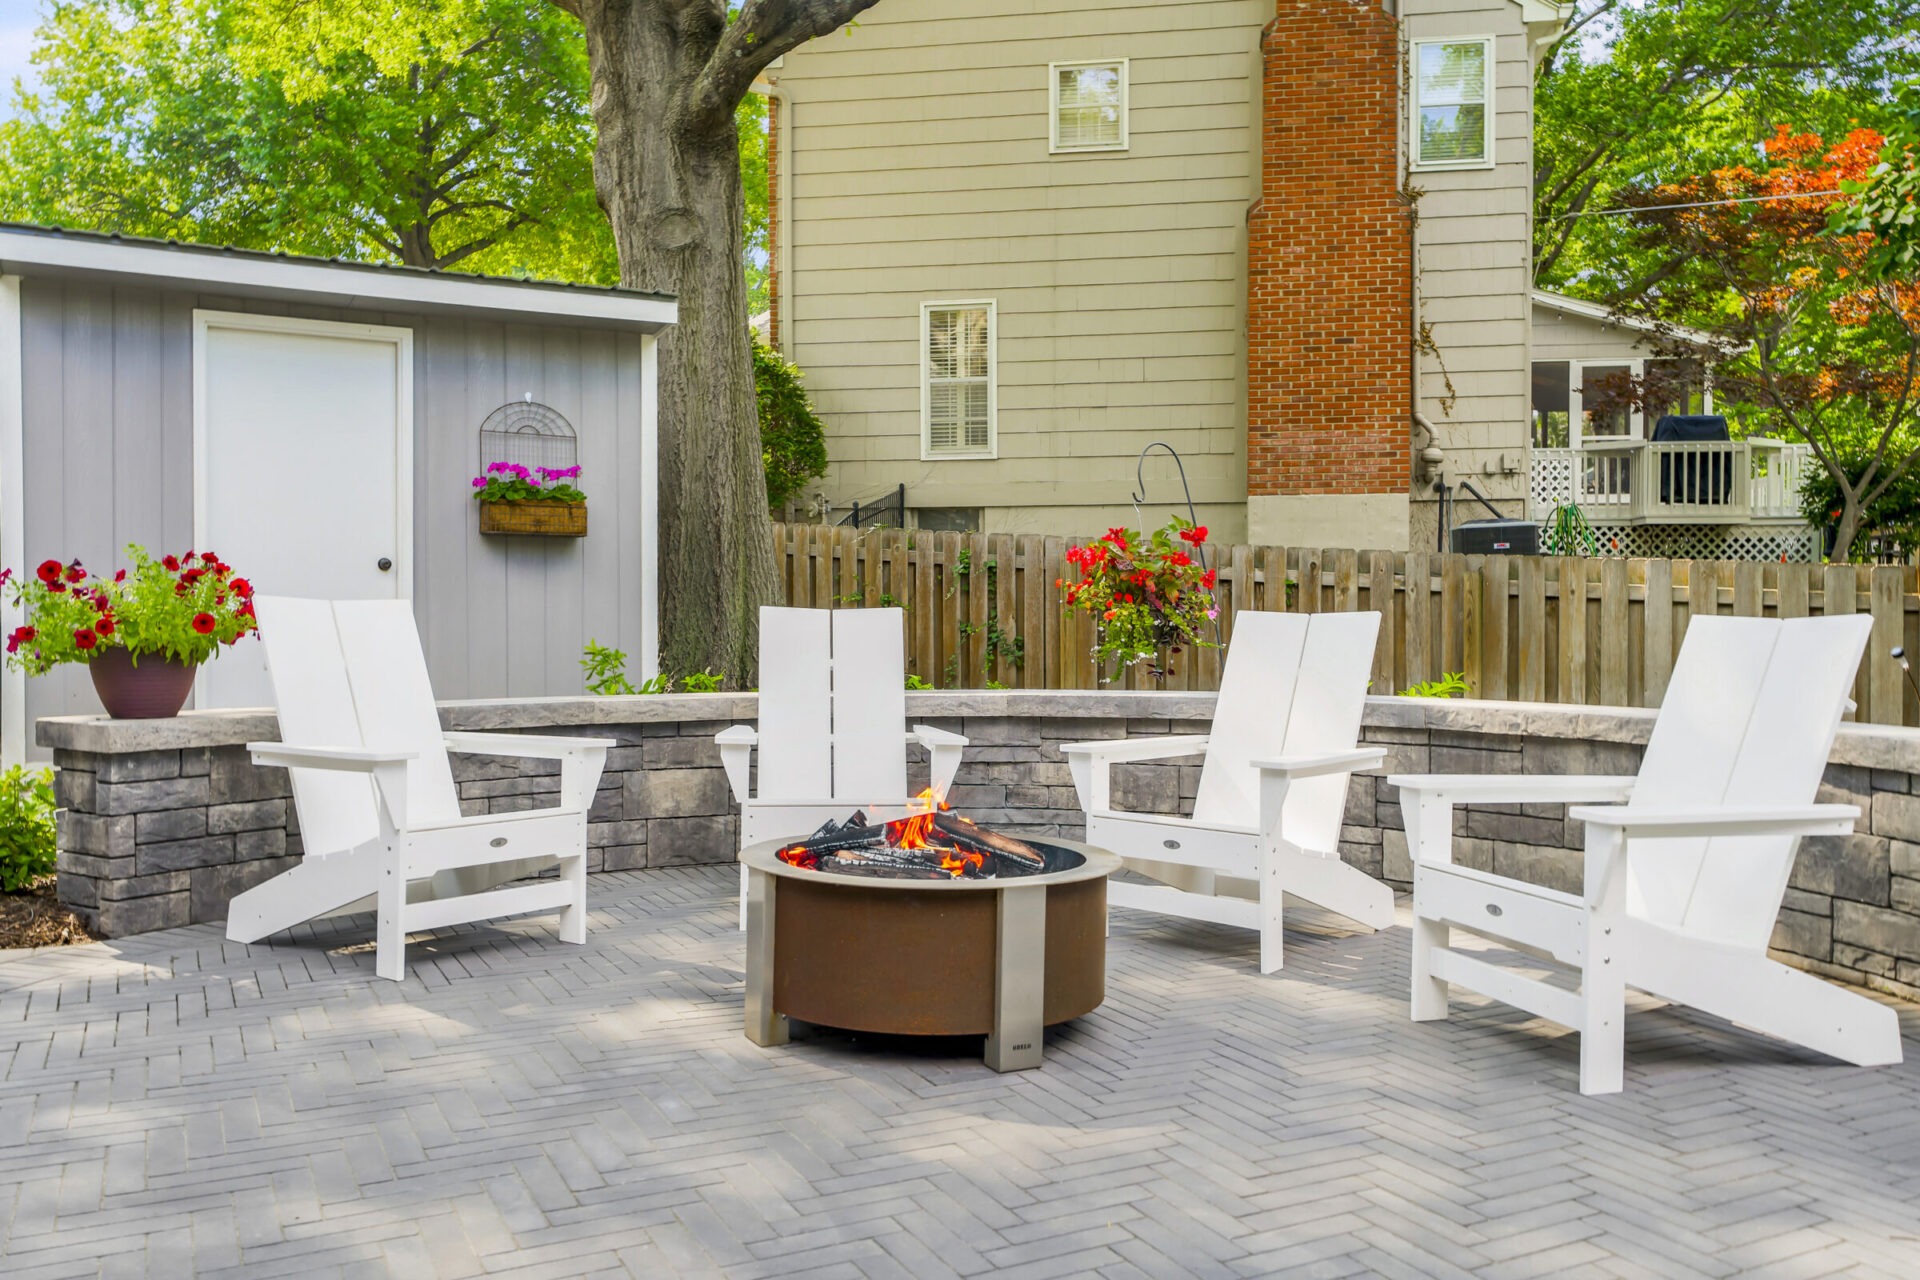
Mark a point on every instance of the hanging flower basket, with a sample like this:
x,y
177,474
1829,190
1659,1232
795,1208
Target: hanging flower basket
x,y
512,501
535,519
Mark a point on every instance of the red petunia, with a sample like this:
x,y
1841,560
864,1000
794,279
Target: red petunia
x,y
75,573
121,576
1208,578
20,636
105,625
204,623
49,571
1195,535
171,563
58,588
85,638
1118,537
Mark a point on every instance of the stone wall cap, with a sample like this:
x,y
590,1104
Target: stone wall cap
x,y
1868,746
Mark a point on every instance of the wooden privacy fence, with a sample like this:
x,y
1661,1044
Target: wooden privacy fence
x,y
982,610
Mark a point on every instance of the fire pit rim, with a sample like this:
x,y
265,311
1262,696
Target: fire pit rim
x,y
1097,864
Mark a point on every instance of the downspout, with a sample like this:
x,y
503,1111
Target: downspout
x,y
1432,460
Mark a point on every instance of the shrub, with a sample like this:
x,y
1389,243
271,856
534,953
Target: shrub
x,y
26,827
1453,684
793,443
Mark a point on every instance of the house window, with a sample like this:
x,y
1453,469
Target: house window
x,y
1089,105
956,379
1452,103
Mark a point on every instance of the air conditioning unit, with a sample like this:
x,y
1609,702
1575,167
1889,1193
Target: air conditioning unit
x,y
1496,538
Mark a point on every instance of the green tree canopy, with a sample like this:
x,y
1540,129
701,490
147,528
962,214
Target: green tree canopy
x,y
436,133
1637,92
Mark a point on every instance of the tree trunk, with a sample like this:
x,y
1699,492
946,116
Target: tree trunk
x,y
1847,530
672,192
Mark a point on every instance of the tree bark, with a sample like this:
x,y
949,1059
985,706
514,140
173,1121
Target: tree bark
x,y
669,180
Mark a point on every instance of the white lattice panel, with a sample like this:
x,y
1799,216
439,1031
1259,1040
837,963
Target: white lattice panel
x,y
1795,543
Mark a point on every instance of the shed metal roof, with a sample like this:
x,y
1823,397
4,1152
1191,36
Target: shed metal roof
x,y
26,248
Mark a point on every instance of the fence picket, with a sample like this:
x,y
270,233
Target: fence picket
x,y
1536,629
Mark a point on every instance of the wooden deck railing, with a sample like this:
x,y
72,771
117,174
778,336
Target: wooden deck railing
x,y
983,608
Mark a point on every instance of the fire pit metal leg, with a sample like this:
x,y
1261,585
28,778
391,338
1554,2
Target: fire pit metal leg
x,y
764,1025
1019,984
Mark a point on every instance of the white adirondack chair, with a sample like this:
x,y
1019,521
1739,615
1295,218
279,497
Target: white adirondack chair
x,y
380,819
832,735
1266,820
1685,870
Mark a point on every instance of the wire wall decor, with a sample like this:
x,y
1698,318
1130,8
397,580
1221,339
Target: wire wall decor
x,y
528,433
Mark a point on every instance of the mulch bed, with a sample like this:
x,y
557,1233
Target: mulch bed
x,y
33,917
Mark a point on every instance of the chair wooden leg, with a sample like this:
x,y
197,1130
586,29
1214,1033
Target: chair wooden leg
x,y
390,934
743,897
1429,992
573,916
1272,921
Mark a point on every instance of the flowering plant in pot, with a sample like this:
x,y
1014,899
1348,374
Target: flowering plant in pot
x,y
1148,595
538,500
141,633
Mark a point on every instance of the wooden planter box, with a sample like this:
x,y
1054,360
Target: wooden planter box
x,y
535,519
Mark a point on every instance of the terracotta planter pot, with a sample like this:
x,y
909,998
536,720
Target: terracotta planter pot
x,y
154,690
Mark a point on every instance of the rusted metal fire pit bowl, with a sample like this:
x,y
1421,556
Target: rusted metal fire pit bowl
x,y
1004,958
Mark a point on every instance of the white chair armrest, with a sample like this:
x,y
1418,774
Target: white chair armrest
x,y
1801,820
736,744
943,750
527,745
1092,762
1321,766
1120,750
1510,788
387,768
280,755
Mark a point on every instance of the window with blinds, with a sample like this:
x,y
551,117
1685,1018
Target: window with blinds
x,y
1090,105
1452,110
957,371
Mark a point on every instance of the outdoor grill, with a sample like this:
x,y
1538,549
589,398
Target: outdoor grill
x,y
928,926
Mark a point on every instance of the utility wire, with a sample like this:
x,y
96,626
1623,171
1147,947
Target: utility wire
x,y
1698,204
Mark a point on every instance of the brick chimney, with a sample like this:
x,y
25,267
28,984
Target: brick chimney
x,y
1329,285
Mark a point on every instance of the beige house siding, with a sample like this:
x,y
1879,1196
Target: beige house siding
x,y
1473,259
1559,336
915,168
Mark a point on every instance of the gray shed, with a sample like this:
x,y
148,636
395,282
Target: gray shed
x,y
318,424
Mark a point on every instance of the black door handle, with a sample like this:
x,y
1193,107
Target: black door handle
x,y
385,564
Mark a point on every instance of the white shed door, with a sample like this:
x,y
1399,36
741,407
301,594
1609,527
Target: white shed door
x,y
303,468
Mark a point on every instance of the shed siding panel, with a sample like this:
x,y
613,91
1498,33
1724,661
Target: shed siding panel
x,y
108,401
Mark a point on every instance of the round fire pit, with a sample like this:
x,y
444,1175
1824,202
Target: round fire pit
x,y
1004,957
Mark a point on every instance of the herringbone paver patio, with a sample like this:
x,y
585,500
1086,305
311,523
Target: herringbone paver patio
x,y
173,1105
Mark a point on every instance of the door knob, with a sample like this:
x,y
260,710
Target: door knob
x,y
384,564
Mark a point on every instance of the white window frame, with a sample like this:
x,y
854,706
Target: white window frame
x,y
1053,106
927,452
1416,164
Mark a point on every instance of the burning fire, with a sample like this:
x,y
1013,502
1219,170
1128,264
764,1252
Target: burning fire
x,y
929,840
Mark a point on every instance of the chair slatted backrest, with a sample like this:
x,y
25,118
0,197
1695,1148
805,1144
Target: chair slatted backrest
x,y
1748,722
350,683
833,705
1294,685
869,705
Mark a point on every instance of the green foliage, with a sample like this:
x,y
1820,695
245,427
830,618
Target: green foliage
x,y
179,607
606,670
431,132
916,685
793,442
1892,520
1636,93
1886,202
26,827
702,682
1451,685
1569,533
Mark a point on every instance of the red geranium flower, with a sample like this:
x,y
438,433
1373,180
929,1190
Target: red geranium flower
x,y
49,571
172,563
85,638
204,623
